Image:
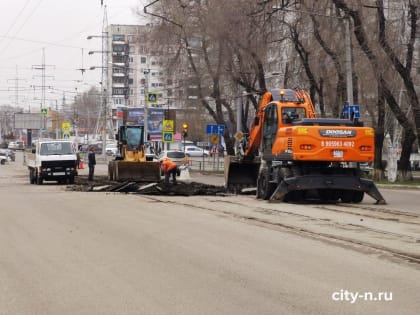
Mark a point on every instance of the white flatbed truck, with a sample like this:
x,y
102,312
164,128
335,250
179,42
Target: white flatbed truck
x,y
51,160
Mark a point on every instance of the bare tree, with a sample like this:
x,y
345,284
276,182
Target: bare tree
x,y
388,92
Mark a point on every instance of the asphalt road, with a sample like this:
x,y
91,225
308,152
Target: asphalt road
x,y
67,252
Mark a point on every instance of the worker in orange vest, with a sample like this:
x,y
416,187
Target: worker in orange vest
x,y
169,168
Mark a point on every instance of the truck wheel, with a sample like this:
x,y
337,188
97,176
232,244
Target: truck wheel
x,y
71,180
3,162
264,188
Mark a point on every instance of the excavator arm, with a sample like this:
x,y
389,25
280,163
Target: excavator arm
x,y
256,128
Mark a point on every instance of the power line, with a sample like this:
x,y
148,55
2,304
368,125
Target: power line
x,y
17,17
40,42
27,19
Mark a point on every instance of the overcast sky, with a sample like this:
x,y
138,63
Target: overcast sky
x,y
60,28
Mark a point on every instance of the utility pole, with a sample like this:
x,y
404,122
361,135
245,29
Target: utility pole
x,y
104,91
43,107
349,68
16,88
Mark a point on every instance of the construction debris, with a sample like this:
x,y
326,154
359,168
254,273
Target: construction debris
x,y
182,188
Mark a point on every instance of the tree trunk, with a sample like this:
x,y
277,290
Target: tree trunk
x,y
378,167
404,167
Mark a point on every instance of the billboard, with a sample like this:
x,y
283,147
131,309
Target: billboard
x,y
135,116
29,121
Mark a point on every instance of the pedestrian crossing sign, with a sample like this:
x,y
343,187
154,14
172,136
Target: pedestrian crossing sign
x,y
168,137
43,111
152,97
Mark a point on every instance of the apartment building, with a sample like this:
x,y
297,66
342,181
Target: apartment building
x,y
135,68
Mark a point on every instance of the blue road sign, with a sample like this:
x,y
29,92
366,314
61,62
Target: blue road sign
x,y
215,129
348,110
168,136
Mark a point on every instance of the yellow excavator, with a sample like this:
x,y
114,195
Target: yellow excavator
x,y
131,164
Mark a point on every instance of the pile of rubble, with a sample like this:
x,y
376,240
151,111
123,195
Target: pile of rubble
x,y
102,184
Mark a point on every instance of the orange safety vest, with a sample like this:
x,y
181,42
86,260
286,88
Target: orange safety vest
x,y
168,165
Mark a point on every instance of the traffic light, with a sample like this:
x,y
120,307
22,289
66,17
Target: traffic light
x,y
185,130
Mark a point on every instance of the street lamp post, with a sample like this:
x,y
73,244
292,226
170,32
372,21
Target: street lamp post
x,y
104,83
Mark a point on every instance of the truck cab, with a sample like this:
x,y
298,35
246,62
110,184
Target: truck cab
x,y
51,160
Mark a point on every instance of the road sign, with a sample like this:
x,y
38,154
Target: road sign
x,y
152,97
168,137
215,129
239,136
168,125
349,110
214,139
66,126
43,112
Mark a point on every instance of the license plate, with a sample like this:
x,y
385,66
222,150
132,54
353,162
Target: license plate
x,y
338,153
60,173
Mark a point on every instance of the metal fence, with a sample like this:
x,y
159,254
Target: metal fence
x,y
214,163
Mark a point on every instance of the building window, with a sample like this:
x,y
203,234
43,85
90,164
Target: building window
x,y
118,48
118,80
119,59
132,49
130,38
130,59
118,37
143,60
119,91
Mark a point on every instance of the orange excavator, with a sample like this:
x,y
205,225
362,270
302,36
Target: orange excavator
x,y
290,155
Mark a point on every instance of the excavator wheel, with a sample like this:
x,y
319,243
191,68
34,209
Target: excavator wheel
x,y
264,188
329,195
347,196
358,196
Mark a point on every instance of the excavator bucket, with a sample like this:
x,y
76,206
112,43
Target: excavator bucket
x,y
240,174
147,171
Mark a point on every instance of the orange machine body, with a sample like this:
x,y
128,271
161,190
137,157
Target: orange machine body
x,y
290,154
